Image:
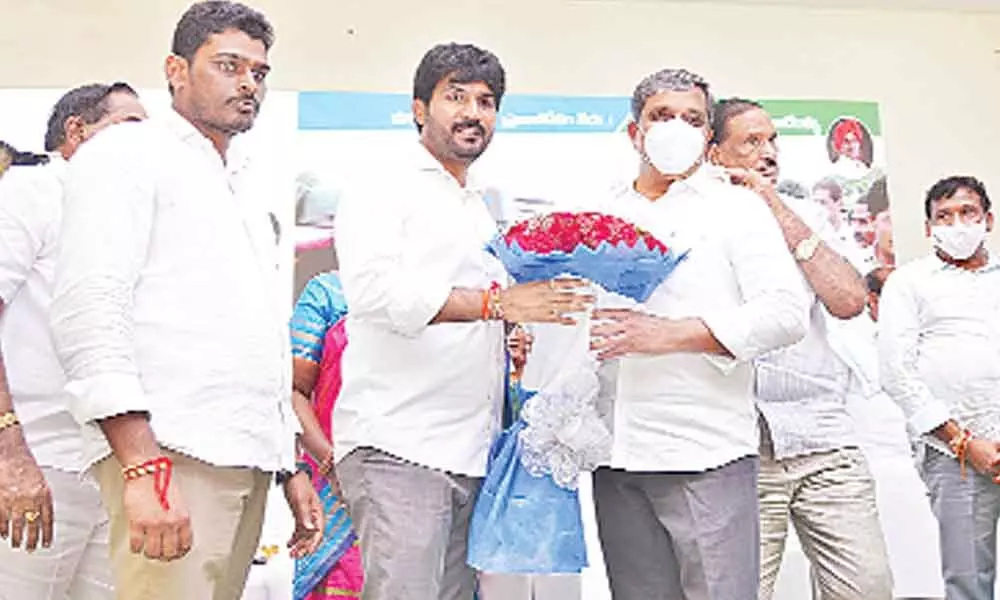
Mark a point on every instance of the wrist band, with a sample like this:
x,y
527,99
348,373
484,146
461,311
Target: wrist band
x,y
960,446
161,469
492,310
326,465
8,419
484,313
303,467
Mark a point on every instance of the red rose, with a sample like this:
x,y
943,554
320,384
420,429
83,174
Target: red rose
x,y
566,231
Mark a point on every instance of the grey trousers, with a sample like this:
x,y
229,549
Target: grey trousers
x,y
412,524
680,536
967,511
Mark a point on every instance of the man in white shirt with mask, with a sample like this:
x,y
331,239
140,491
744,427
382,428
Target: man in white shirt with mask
x,y
40,444
677,507
939,356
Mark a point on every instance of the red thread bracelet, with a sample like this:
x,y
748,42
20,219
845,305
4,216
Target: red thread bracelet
x,y
161,469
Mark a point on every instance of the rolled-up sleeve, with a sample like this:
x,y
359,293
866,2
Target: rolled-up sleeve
x,y
108,219
775,309
390,276
898,337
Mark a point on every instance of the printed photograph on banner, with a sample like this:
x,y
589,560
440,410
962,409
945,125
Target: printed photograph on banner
x,y
833,153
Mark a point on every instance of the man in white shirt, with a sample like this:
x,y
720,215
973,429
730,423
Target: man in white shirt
x,y
812,471
677,509
170,319
939,353
41,492
423,372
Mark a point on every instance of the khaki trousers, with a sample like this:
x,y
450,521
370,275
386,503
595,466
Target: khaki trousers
x,y
829,497
227,512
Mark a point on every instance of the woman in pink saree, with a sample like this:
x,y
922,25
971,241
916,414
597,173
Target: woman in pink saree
x,y
334,571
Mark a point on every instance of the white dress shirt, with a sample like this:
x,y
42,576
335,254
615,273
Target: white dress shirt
x,y
880,425
30,211
694,412
168,298
427,393
801,389
939,346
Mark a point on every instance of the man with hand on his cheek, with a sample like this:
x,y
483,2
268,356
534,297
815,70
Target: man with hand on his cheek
x,y
812,471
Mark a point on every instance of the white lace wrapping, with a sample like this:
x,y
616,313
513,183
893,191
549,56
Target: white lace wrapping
x,y
565,433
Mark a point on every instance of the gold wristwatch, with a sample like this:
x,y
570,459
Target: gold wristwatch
x,y
807,248
8,419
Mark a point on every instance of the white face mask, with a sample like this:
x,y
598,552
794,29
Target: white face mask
x,y
674,146
959,241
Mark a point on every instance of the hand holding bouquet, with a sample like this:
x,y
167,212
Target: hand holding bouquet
x,y
527,519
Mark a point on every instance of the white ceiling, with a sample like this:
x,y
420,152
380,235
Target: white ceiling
x,y
953,5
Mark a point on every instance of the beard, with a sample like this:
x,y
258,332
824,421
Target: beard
x,y
464,141
243,120
229,117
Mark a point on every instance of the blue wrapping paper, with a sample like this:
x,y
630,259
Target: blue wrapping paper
x,y
634,272
521,523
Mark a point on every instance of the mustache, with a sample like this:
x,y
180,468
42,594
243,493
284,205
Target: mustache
x,y
238,99
471,123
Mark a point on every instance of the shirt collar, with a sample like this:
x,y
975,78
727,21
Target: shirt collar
x,y
58,164
694,182
992,264
425,161
185,131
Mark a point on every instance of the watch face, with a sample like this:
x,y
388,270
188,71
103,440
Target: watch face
x,y
806,248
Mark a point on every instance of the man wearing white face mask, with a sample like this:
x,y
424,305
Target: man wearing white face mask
x,y
939,354
677,506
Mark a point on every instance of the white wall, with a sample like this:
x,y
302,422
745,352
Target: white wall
x,y
935,73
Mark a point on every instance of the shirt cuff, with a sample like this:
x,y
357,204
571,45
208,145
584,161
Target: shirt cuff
x,y
730,328
423,302
724,364
103,396
291,428
7,291
931,416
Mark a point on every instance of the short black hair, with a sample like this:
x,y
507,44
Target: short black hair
x,y
89,102
205,19
22,159
727,110
877,196
463,63
875,279
949,186
676,80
